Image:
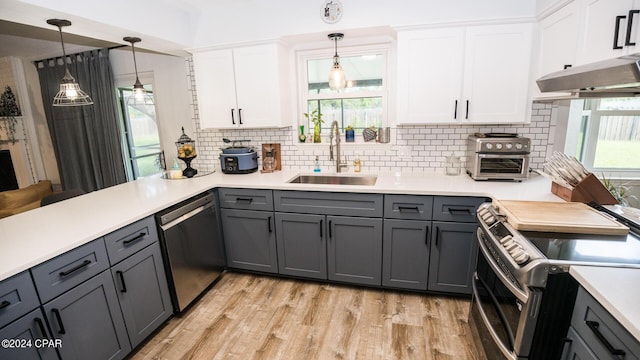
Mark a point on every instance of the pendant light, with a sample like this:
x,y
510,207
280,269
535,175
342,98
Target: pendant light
x,y
140,95
70,93
337,77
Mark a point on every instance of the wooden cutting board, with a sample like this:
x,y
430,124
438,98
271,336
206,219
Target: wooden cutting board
x,y
566,217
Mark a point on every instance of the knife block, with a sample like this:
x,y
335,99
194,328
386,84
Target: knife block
x,y
589,189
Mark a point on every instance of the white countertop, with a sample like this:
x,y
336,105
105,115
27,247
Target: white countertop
x,y
35,236
616,289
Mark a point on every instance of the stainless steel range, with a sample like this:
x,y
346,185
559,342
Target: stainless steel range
x,y
523,295
498,156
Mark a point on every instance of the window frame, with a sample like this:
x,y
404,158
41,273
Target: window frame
x,y
383,48
592,115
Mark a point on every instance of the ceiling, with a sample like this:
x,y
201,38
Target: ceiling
x,y
35,43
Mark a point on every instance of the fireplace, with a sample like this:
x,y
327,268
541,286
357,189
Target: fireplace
x,y
8,180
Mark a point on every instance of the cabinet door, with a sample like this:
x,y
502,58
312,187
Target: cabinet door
x,y
405,254
215,87
558,45
302,245
250,240
453,256
88,320
496,74
577,349
28,329
258,85
599,29
142,289
430,64
354,250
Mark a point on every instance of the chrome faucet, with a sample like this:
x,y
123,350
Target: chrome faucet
x,y
335,131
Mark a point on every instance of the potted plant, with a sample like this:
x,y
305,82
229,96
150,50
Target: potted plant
x,y
349,134
316,118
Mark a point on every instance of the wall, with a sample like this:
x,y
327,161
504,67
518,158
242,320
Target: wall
x,y
413,148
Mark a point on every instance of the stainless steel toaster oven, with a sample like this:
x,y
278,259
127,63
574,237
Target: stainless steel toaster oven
x,y
498,156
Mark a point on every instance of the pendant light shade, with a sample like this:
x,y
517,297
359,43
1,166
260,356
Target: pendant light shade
x,y
337,77
70,93
140,95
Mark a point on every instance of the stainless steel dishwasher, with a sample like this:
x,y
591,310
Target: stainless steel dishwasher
x,y
192,247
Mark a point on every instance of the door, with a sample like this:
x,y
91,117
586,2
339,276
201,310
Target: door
x,y
302,245
250,240
142,289
355,250
215,85
454,249
496,74
430,64
88,320
599,29
26,335
405,254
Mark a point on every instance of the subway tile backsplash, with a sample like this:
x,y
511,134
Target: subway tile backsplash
x,y
413,148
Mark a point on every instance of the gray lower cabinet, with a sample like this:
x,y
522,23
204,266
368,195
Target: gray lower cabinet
x,y
142,290
250,240
88,320
302,245
29,330
454,249
354,250
595,334
405,255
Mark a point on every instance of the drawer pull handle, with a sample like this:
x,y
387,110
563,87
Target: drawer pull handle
x,y
75,268
41,327
459,211
407,208
628,41
4,304
249,200
56,312
269,224
330,234
138,237
616,32
594,326
426,236
123,285
321,223
233,120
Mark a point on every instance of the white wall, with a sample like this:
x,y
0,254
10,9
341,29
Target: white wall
x,y
170,87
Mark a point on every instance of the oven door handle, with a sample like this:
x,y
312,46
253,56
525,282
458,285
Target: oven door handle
x,y
521,295
502,155
485,319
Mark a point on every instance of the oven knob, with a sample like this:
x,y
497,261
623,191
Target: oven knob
x,y
498,146
510,245
489,146
505,239
508,146
490,220
521,259
483,212
518,146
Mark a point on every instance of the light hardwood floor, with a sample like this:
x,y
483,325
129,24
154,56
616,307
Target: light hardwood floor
x,y
258,317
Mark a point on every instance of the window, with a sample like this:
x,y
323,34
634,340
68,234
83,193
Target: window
x,y
362,104
141,140
606,137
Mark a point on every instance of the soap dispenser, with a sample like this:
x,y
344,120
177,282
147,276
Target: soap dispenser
x,y
316,167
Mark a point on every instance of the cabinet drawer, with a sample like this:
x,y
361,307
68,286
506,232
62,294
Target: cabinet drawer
x,y
409,207
247,199
62,273
456,208
327,203
130,239
17,297
597,327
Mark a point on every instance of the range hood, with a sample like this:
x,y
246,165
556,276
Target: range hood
x,y
619,77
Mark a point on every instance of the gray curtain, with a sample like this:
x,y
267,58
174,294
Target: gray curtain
x,y
86,139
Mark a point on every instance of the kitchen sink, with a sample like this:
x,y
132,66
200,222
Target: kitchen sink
x,y
334,180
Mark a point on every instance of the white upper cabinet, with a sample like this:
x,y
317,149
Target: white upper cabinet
x,y
475,74
609,29
243,87
558,43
